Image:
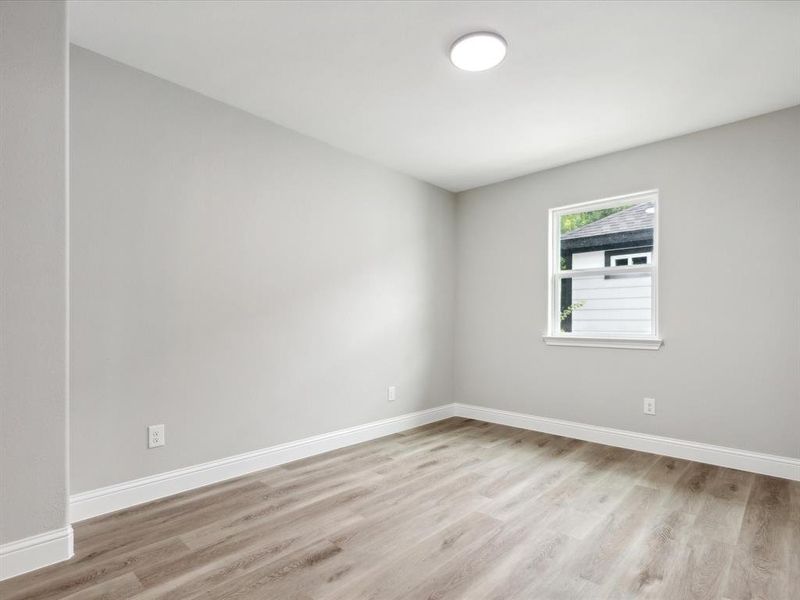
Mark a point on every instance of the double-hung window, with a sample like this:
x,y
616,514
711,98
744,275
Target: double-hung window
x,y
603,273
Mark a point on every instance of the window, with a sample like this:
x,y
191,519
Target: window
x,y
631,259
603,273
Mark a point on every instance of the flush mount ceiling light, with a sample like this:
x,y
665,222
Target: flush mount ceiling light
x,y
478,51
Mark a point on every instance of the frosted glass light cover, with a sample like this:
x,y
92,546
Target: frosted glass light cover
x,y
478,51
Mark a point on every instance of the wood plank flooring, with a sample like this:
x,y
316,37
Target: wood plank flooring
x,y
458,509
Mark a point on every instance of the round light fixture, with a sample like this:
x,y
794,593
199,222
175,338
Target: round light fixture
x,y
478,51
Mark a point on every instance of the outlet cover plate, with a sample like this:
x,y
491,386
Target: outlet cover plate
x,y
155,436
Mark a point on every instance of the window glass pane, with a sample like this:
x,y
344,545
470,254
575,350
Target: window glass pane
x,y
607,237
597,305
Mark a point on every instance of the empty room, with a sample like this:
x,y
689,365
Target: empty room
x,y
399,300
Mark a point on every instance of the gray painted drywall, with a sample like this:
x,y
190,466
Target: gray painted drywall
x,y
729,371
238,282
33,259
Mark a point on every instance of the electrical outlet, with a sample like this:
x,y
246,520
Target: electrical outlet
x,y
649,406
391,393
155,436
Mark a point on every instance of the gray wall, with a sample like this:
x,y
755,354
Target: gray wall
x,y
248,286
33,275
238,282
729,372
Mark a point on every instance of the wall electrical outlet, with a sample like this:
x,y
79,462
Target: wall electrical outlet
x,y
391,393
649,406
155,436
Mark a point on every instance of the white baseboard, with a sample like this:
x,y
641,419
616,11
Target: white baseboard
x,y
35,552
744,460
130,493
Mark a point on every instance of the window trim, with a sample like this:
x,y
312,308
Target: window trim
x,y
554,336
630,257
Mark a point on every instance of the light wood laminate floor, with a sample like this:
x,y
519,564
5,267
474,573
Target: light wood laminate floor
x,y
456,509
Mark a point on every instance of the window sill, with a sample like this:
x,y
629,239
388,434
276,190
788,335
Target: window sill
x,y
632,343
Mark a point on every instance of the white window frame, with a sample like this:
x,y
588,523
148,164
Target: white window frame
x,y
554,336
630,257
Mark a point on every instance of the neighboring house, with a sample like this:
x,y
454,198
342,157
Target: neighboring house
x,y
609,304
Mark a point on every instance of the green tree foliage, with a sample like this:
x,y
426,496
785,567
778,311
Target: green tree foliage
x,y
581,219
568,311
571,309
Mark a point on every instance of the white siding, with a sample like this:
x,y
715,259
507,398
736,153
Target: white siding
x,y
620,304
588,260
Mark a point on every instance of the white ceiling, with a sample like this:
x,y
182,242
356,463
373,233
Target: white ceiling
x,y
580,79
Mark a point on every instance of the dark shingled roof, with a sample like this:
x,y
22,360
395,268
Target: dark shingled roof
x,y
631,219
